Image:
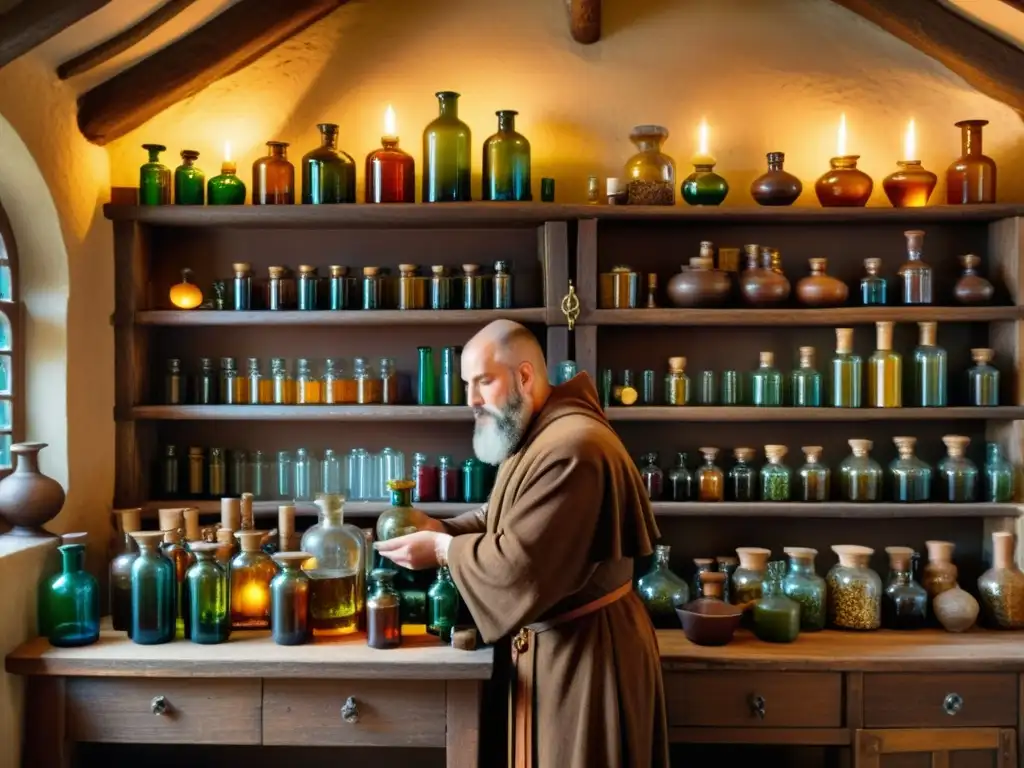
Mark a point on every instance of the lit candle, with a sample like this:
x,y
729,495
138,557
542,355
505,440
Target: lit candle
x,y
910,144
704,186
911,185
227,152
843,185
226,189
254,599
390,172
841,137
703,156
390,127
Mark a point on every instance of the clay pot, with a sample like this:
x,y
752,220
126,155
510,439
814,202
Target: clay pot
x,y
956,610
699,285
28,498
761,286
972,288
819,289
776,186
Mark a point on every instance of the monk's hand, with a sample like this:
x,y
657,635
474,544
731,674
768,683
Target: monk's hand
x,y
416,551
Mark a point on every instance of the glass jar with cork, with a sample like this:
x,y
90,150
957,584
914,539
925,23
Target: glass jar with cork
x,y
854,590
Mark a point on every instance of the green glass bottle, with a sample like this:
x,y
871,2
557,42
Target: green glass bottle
x,y
72,601
847,373
911,477
983,379
226,189
426,381
704,186
447,145
153,592
442,605
189,181
815,477
475,481
766,382
802,584
860,476
662,591
958,476
506,173
207,585
999,476
930,372
805,381
742,479
328,174
776,617
154,178
776,477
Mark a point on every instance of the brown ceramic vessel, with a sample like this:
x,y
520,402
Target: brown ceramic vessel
x,y
700,284
972,288
28,498
820,289
760,285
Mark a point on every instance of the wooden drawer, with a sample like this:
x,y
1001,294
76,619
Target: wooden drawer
x,y
940,700
790,699
196,711
381,714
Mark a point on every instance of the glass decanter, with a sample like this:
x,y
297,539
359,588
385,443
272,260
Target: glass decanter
x,y
506,169
815,477
273,177
930,374
154,178
904,602
447,147
709,478
208,586
677,383
189,181
662,591
328,174
911,477
957,475
442,605
972,176
653,477
915,274
743,476
860,476
776,477
847,373
650,174
873,287
999,476
748,579
766,382
1001,587
153,592
680,480
983,379
805,381
336,569
776,616
854,590
72,601
806,587
885,370
252,569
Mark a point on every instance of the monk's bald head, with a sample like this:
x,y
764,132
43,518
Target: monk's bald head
x,y
508,343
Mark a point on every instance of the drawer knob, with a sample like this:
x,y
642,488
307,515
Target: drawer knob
x,y
158,706
952,704
757,706
350,710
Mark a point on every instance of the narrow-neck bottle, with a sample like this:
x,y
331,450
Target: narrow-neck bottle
x,y
426,381
662,591
506,168
915,274
972,177
874,288
743,476
251,573
847,373
766,382
983,379
183,559
885,371
815,477
904,602
154,178
805,381
653,477
121,570
442,605
677,383
153,592
273,177
930,373
860,476
72,601
776,477
999,475
680,480
189,181
383,612
207,587
958,476
447,146
911,477
328,174
710,479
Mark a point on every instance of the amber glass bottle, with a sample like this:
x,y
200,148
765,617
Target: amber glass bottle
x,y
885,371
251,573
972,176
710,479
844,185
273,177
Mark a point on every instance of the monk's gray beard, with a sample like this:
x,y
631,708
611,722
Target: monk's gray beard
x,y
495,438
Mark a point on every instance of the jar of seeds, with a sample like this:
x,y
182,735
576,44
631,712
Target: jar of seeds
x,y
748,579
650,173
854,590
1002,586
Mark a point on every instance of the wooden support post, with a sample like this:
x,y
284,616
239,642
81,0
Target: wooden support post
x,y
585,20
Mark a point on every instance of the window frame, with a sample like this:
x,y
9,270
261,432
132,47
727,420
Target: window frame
x,y
14,311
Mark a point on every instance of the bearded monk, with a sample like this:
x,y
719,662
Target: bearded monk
x,y
548,561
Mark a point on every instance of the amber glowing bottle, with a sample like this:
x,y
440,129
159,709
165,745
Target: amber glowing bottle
x,y
390,172
972,176
885,371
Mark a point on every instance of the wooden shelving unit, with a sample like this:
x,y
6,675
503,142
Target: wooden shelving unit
x,y
720,414
365,413
796,317
358,318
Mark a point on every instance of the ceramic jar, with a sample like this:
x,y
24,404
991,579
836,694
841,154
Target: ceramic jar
x,y
776,186
819,289
28,498
956,610
972,288
762,286
700,284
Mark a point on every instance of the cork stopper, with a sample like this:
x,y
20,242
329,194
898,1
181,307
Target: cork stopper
x,y
705,562
171,519
438,270
371,271
307,269
709,454
905,446
677,364
207,548
241,268
915,241
713,585
246,520
617,270
744,454
225,536
1002,549
286,521
702,263
927,333
775,453
803,554
338,270
853,555
872,266
766,359
812,452
407,270
469,270
956,445
860,447
969,261
231,514
844,341
753,558
192,530
982,355
707,250
276,273
883,335
250,540
148,539
172,536
293,559
818,265
129,519
940,551
899,557
806,357
752,252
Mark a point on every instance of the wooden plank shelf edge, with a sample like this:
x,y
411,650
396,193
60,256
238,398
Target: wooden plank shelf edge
x,y
304,508
408,413
796,316
384,317
724,413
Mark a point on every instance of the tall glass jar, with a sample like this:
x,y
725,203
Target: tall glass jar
x,y
911,477
972,176
905,602
328,174
332,473
120,575
308,386
982,379
847,373
273,177
677,383
442,605
748,579
1001,587
304,484
653,477
662,591
650,174
424,475
447,479
957,475
940,574
885,370
915,274
447,146
854,590
766,382
189,181
709,478
153,592
680,480
337,591
506,168
804,585
383,612
815,477
805,381
860,476
776,477
208,595
251,573
72,601
873,287
289,599
999,476
776,616
743,482
930,371
154,178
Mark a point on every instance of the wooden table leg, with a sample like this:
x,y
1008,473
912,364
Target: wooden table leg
x,y
46,744
462,740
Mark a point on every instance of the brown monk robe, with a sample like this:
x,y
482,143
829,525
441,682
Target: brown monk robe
x,y
567,515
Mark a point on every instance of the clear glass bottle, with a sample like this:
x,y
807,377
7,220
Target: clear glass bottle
x,y
911,477
999,476
860,476
447,479
873,287
805,381
1001,587
174,383
748,579
776,477
153,591
336,568
930,372
332,473
389,381
208,595
743,476
366,386
776,616
662,591
803,584
251,573
392,469
442,605
677,383
847,373
915,274
305,472
653,477
766,382
72,601
983,379
361,479
885,370
307,384
230,386
709,478
383,612
904,602
854,590
289,599
957,475
285,476
283,388
815,477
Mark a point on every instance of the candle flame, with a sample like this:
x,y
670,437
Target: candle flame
x,y
841,138
910,143
227,151
390,127
702,145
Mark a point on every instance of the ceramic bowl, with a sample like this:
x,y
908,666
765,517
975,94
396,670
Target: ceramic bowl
x,y
709,622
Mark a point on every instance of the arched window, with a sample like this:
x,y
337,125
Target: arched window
x,y
12,353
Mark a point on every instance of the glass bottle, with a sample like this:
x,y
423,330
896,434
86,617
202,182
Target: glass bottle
x,y
383,612
662,591
153,590
332,473
447,146
336,569
226,189
885,370
328,174
506,168
282,385
475,477
285,476
999,476
911,477
424,475
392,467
983,379
709,478
368,388
260,481
847,374
743,476
766,382
307,384
341,288
1001,587
452,388
401,517
704,186
447,479
680,480
305,472
174,383
957,475
241,287
208,595
854,590
805,381
776,477
905,602
189,181
650,174
727,565
776,186
273,177
120,573
204,392
972,288
874,288
307,287
442,605
154,178
915,274
860,476
183,559
502,296
843,185
748,579
258,388
229,388
426,381
910,186
653,477
196,474
802,584
390,171
704,566
776,616
815,477
972,176
930,372
289,599
940,573
217,474
72,601
677,383
251,573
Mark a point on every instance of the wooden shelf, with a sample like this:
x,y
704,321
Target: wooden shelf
x,y
384,317
830,509
268,509
794,316
301,413
720,413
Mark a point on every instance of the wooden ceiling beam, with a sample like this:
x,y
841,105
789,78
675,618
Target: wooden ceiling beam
x,y
1018,4
988,63
585,20
229,41
33,22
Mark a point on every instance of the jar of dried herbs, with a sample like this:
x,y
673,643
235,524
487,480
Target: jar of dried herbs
x,y
748,580
804,585
1002,586
776,477
854,590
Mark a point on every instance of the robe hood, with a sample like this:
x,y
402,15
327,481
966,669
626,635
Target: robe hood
x,y
575,397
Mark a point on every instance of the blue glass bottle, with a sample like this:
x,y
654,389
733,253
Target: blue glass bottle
x,y
72,601
873,287
506,169
153,589
930,372
805,381
766,382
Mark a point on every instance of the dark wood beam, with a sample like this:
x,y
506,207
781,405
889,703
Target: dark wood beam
x,y
123,41
585,20
226,43
988,63
1018,4
33,22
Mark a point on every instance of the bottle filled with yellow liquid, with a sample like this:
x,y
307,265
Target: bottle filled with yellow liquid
x,y
259,388
847,373
281,383
885,371
336,570
710,479
307,386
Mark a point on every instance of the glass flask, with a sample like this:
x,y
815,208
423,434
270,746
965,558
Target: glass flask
x,y
290,591
704,186
401,517
677,383
910,186
662,591
776,477
766,382
442,605
843,185
860,476
328,174
189,181
1001,587
153,591
653,477
854,590
874,288
911,477
776,186
815,477
120,577
447,146
650,174
251,573
226,189
680,480
704,566
154,178
957,475
208,595
727,565
743,476
776,616
183,559
383,612
273,177
72,601
802,584
847,372
904,602
506,162
709,478
982,379
748,579
972,176
940,573
447,479
915,274
805,381
305,473
337,590
999,475
930,373
885,370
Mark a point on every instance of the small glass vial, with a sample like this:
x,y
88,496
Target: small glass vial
x,y
915,275
230,385
647,387
363,373
388,381
425,475
710,479
731,390
174,383
502,286
241,287
653,477
805,381
373,288
411,287
170,473
307,384
766,382
383,622
677,383
283,388
307,288
743,476
305,489
452,387
196,472
217,474
339,293
776,477
707,390
440,287
873,287
593,192
285,476
847,373
238,475
332,382
911,477
332,474
472,287
999,476
860,476
815,478
259,389
930,373
447,479
652,290
204,391
958,476
261,482
680,480
983,379
276,299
